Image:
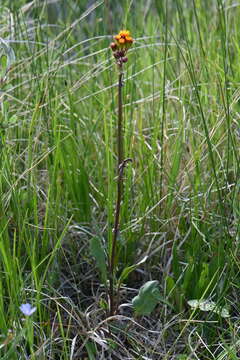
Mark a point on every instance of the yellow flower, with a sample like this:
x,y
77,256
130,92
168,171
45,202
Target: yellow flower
x,y
124,39
124,33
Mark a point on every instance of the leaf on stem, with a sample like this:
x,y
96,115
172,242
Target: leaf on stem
x,y
97,251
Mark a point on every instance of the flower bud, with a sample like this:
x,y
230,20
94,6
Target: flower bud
x,y
121,53
116,55
124,59
113,46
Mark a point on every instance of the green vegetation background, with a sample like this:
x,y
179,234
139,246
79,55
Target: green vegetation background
x,y
58,167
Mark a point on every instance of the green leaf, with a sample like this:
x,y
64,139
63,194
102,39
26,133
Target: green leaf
x,y
7,56
207,305
224,313
97,251
3,63
91,350
13,119
193,303
103,304
204,277
129,269
230,351
147,299
176,162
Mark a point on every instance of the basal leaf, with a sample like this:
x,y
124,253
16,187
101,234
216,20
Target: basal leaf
x,y
193,303
129,269
149,295
208,305
98,253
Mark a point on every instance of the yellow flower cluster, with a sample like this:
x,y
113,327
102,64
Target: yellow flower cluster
x,y
124,39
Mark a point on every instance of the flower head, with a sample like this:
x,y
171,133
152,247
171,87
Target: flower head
x,y
27,309
123,41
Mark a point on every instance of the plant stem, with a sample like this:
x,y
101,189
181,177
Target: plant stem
x,y
120,169
120,120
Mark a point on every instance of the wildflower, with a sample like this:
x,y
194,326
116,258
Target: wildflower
x,y
27,309
123,41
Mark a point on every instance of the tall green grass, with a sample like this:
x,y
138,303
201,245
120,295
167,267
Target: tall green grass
x,y
58,176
